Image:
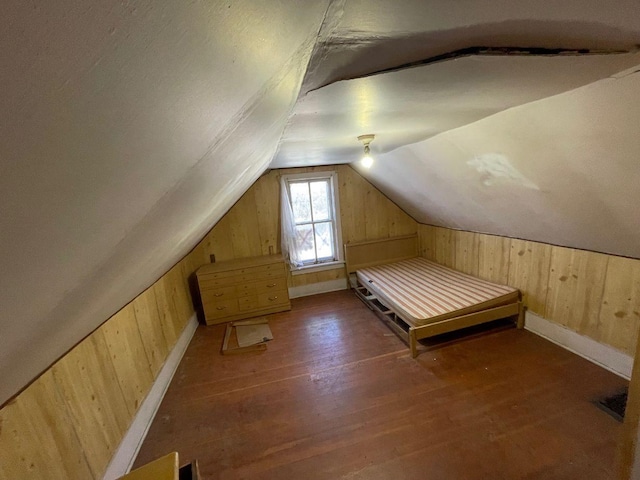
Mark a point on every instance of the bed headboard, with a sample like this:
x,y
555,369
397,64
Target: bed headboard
x,y
374,252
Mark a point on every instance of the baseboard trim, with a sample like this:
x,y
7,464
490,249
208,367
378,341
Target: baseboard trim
x,y
607,357
316,288
126,453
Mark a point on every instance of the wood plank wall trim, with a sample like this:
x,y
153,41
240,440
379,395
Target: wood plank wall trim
x,y
124,457
593,294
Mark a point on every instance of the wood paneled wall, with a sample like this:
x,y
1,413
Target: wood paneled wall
x,y
69,422
594,294
252,226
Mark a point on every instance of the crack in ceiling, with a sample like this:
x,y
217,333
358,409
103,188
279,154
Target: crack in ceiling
x,y
486,51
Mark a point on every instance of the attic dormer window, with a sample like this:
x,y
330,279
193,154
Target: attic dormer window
x,y
310,220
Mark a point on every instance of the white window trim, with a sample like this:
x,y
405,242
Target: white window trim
x,y
337,227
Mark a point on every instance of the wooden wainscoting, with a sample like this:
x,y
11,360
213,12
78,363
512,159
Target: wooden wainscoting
x,y
593,294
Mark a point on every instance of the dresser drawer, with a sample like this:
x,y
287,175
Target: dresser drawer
x,y
270,285
273,298
207,282
218,293
262,269
252,277
214,309
244,289
248,303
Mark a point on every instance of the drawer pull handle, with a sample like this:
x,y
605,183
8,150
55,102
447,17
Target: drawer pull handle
x,y
218,294
271,285
220,308
273,298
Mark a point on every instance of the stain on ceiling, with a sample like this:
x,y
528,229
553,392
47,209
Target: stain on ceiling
x,y
128,129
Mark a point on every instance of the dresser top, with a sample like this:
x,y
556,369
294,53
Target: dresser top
x,y
239,263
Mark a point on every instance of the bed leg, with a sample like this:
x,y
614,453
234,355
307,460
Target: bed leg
x,y
520,320
413,343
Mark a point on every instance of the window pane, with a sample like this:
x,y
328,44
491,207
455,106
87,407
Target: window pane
x,y
324,240
300,202
304,239
320,200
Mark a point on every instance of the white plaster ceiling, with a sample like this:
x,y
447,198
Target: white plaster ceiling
x,y
413,104
564,170
127,129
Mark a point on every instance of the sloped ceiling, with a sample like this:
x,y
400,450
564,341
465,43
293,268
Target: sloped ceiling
x,y
127,129
506,118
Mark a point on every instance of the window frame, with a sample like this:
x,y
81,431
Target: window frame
x,y
332,176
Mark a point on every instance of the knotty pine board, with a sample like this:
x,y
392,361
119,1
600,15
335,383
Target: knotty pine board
x,y
467,252
529,271
89,386
576,283
37,439
128,356
427,241
494,253
445,247
148,321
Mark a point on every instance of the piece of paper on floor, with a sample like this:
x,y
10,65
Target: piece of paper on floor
x,y
253,334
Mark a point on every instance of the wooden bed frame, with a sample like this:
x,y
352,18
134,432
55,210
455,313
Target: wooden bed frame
x,y
376,252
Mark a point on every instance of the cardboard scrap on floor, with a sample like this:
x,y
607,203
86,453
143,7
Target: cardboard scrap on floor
x,y
246,336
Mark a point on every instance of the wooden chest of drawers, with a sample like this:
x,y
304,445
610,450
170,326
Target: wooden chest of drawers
x,y
243,288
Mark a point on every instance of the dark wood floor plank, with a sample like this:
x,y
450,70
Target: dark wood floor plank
x,y
337,395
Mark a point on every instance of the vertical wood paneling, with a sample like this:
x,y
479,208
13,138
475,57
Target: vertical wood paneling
x,y
151,333
353,206
619,318
198,256
36,436
268,212
529,271
168,314
427,238
98,412
467,256
179,292
494,254
373,222
445,247
128,356
576,282
219,242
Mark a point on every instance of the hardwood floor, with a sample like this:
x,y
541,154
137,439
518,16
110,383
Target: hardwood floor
x,y
336,395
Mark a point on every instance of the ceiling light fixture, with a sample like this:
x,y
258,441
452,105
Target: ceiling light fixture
x,y
367,160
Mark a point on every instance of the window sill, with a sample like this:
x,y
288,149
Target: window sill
x,y
318,268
